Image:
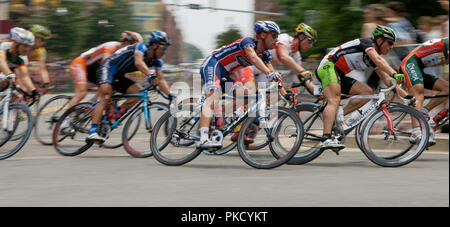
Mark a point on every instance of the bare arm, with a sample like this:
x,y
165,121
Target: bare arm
x,y
162,83
380,62
140,64
44,73
286,59
256,61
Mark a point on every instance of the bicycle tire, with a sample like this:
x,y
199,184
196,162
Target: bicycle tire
x,y
371,151
127,136
157,148
24,138
279,154
47,123
78,124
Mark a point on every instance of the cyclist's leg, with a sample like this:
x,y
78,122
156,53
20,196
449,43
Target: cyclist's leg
x,y
414,81
79,72
105,77
212,89
436,84
356,88
24,81
125,85
332,92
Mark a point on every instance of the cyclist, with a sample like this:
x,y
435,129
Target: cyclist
x,y
84,67
14,60
227,60
111,74
357,54
286,51
39,53
431,53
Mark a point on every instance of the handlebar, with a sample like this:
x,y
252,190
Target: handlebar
x,y
394,84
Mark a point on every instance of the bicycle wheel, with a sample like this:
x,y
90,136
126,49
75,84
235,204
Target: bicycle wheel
x,y
313,128
172,137
136,132
47,116
393,149
19,121
70,140
286,129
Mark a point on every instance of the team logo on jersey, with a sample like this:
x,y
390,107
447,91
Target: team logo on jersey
x,y
412,71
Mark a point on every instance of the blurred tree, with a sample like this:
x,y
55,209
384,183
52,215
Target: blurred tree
x,y
338,21
228,37
193,51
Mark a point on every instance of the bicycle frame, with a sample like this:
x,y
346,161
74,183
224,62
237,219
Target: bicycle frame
x,y
5,104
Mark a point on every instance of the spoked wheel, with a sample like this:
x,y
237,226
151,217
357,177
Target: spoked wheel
x,y
71,130
19,125
136,132
285,135
47,117
386,139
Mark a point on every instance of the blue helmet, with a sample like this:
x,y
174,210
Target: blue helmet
x,y
159,37
266,26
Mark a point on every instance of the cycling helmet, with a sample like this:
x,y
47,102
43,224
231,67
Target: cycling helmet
x,y
266,26
22,36
39,30
132,37
307,30
159,37
385,32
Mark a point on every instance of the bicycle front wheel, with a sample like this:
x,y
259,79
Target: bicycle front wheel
x,y
173,136
393,146
286,132
48,116
18,125
71,130
136,132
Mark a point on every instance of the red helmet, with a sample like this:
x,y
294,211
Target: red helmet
x,y
132,37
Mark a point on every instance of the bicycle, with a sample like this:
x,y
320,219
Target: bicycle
x,y
16,122
171,145
379,131
71,141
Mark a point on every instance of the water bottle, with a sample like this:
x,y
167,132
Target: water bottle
x,y
340,114
440,115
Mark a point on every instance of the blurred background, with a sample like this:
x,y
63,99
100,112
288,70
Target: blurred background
x,y
198,27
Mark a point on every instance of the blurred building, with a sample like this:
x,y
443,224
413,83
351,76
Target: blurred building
x,y
267,6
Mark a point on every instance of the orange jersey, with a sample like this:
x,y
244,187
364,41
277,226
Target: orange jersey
x,y
97,53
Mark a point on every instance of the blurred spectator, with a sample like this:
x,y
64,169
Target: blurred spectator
x,y
444,5
429,28
442,20
374,14
406,33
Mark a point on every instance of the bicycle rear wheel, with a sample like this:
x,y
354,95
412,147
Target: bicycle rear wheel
x,y
19,126
286,129
47,117
394,149
136,134
71,140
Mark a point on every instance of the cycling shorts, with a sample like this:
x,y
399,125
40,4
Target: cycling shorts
x,y
107,74
83,74
216,77
328,73
412,67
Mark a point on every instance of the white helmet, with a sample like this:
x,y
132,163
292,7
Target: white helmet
x,y
21,35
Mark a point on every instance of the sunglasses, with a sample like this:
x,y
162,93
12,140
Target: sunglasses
x,y
274,36
391,43
163,47
311,41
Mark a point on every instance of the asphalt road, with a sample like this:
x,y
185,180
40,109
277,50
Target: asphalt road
x,y
38,176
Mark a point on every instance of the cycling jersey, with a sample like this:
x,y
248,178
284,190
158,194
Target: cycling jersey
x,y
13,61
227,60
84,67
122,61
431,53
251,73
39,54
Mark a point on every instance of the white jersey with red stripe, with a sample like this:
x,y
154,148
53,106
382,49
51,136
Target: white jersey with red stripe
x,y
287,41
97,53
233,57
351,55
